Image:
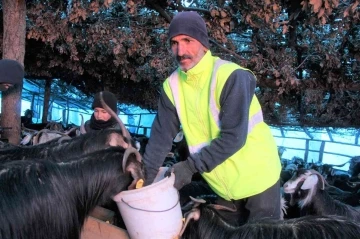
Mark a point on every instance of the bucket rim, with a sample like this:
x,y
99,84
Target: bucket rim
x,y
147,210
165,180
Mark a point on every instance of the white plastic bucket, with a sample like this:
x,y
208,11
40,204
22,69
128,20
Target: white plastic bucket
x,y
152,212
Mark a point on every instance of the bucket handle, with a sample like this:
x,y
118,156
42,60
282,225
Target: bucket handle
x,y
145,210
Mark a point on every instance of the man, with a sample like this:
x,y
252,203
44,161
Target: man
x,y
11,73
101,119
213,100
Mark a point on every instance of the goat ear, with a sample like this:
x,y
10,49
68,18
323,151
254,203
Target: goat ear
x,y
310,182
135,170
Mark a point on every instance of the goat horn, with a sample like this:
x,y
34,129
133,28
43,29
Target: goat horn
x,y
321,178
128,151
113,114
198,200
339,165
194,214
224,208
82,125
70,130
27,139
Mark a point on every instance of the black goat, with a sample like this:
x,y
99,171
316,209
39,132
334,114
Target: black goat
x,y
307,189
44,199
208,224
62,151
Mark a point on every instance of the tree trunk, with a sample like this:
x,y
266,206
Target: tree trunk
x,y
14,23
46,101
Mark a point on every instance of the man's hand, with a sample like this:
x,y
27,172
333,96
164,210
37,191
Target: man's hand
x,y
183,173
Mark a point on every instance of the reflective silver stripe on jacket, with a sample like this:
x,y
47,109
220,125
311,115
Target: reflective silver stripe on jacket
x,y
212,104
255,119
196,148
174,86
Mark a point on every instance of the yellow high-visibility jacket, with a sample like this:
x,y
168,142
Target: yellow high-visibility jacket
x,y
196,95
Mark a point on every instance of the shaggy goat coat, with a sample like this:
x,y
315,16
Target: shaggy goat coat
x,y
43,199
210,225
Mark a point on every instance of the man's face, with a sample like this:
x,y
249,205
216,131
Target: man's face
x,y
187,50
5,86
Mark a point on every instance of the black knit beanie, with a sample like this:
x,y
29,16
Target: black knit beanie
x,y
109,99
11,71
191,24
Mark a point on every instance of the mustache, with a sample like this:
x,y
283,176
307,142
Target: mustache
x,y
183,57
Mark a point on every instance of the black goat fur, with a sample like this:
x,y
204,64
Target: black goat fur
x,y
62,151
44,199
212,226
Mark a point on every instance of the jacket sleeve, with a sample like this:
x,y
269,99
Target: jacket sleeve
x,y
235,100
164,128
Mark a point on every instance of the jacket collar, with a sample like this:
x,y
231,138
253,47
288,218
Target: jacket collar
x,y
196,73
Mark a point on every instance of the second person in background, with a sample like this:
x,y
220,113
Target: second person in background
x,y
101,119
